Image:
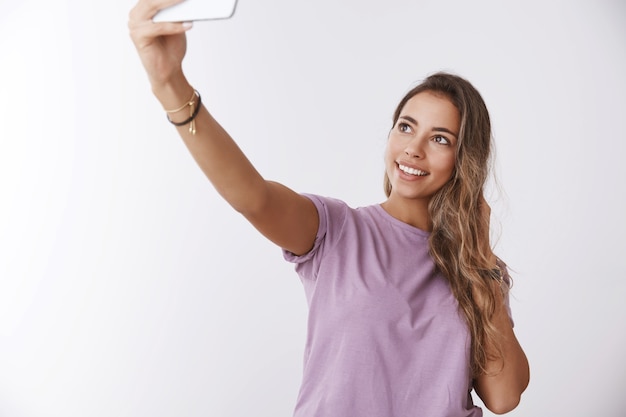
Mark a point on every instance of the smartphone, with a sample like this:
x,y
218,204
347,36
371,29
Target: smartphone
x,y
193,10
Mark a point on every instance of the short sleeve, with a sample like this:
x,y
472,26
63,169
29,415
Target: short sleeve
x,y
332,214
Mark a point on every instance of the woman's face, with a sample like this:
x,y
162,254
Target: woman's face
x,y
421,149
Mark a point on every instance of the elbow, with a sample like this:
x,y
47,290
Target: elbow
x,y
505,402
504,405
251,203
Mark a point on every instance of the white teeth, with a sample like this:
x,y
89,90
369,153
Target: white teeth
x,y
412,171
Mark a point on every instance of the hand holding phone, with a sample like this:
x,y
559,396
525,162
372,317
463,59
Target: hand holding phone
x,y
193,10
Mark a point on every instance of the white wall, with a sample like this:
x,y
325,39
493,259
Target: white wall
x,y
128,288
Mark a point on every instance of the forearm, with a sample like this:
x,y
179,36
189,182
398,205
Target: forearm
x,y
507,377
219,157
283,216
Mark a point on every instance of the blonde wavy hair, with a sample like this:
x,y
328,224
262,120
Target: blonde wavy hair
x,y
457,220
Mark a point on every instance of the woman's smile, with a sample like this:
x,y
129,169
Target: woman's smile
x,y
415,172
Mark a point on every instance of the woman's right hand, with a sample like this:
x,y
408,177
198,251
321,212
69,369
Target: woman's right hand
x,y
161,46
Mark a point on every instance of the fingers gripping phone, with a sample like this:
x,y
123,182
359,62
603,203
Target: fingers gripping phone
x,y
193,10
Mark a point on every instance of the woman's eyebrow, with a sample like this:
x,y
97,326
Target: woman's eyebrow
x,y
409,119
443,129
435,129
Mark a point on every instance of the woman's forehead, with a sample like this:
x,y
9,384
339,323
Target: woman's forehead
x,y
432,108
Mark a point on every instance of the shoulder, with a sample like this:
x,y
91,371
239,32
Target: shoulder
x,y
322,202
332,211
335,213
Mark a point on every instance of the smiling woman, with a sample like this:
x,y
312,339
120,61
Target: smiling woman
x,y
408,305
445,125
420,155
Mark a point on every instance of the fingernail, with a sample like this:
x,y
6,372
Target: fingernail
x,y
187,25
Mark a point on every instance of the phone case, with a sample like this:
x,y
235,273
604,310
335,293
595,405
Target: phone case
x,y
193,10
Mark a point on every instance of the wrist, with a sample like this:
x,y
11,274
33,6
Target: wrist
x,y
497,274
172,93
193,105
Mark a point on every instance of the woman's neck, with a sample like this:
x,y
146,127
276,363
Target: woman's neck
x,y
413,212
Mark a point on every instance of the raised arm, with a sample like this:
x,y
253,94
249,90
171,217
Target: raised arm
x,y
283,216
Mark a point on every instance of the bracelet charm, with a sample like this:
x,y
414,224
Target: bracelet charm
x,y
194,108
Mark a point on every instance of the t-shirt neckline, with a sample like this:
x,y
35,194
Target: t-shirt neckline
x,y
399,223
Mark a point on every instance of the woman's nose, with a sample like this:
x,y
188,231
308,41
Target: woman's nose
x,y
414,149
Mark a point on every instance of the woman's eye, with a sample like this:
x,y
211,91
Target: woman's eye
x,y
442,140
404,128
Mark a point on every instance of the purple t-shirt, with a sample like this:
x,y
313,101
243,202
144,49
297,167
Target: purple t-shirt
x,y
385,335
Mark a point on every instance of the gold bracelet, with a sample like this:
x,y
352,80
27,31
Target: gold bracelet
x,y
194,109
189,102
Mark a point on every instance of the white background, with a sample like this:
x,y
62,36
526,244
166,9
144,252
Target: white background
x,y
128,288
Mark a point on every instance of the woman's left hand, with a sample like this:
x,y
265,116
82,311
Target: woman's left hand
x,y
485,213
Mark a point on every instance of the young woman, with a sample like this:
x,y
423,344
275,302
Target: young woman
x,y
408,305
